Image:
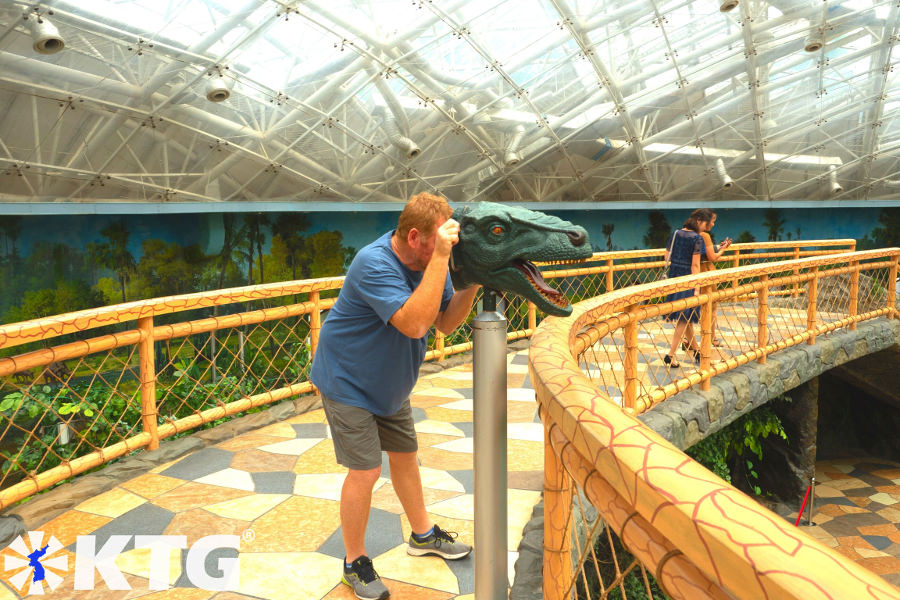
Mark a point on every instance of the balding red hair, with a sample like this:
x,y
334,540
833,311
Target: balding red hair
x,y
421,212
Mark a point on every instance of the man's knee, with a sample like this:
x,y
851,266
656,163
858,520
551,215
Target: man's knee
x,y
403,461
403,456
366,477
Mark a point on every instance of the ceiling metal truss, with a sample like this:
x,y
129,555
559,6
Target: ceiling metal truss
x,y
504,100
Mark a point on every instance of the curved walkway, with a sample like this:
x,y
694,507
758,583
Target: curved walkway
x,y
278,487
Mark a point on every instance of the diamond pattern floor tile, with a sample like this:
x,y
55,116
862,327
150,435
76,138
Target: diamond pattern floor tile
x,y
278,488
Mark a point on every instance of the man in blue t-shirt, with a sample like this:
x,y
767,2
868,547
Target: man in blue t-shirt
x,y
370,349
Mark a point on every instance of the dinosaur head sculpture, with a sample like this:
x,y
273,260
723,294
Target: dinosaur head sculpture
x,y
497,244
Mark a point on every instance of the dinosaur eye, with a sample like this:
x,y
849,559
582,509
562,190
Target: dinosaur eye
x,y
497,230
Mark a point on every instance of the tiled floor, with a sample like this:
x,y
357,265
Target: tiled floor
x,y
278,487
857,512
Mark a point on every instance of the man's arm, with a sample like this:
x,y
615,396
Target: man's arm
x,y
457,310
420,311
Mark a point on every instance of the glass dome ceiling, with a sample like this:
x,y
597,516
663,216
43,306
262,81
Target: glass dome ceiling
x,y
504,100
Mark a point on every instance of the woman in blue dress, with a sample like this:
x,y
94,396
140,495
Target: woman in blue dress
x,y
683,252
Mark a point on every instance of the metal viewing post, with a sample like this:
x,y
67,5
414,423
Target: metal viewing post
x,y
489,416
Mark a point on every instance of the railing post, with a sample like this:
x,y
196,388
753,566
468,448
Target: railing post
x,y
609,275
812,295
532,316
706,319
762,317
631,361
796,290
147,359
439,344
315,323
892,288
737,263
854,292
557,567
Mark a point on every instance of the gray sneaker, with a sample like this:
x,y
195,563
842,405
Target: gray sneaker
x,y
363,580
440,543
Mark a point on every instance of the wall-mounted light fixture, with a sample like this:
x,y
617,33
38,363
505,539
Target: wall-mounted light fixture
x,y
218,89
724,179
44,34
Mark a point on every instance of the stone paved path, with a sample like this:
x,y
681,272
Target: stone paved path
x,y
279,486
857,512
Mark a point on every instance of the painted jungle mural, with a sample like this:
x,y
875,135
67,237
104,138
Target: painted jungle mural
x,y
56,264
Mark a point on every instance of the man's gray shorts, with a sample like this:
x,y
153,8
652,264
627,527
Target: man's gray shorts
x,y
359,436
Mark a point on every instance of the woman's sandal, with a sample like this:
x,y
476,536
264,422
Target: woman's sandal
x,y
670,362
717,342
696,355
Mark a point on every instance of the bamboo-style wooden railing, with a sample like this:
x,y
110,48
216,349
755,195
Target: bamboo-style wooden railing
x,y
137,335
699,536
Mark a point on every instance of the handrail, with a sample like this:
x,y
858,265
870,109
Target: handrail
x,y
205,378
745,550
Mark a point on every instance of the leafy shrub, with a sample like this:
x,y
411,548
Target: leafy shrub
x,y
723,451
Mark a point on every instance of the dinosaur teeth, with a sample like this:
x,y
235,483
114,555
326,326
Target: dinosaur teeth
x,y
537,282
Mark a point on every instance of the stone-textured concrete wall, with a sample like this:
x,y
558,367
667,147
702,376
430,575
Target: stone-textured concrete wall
x,y
691,415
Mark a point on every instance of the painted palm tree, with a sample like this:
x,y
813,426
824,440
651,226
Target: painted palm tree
x,y
113,253
659,230
608,229
11,226
774,223
234,237
255,223
290,227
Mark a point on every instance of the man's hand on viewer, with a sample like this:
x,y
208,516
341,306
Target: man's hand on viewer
x,y
447,237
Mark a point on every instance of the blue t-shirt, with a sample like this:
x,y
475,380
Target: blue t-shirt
x,y
362,360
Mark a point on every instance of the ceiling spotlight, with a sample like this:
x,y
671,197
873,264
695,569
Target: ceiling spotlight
x,y
724,178
815,40
511,156
218,89
833,186
45,35
389,122
728,5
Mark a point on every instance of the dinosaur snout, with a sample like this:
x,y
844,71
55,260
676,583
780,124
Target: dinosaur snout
x,y
577,237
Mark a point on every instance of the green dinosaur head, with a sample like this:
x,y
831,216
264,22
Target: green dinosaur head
x,y
497,244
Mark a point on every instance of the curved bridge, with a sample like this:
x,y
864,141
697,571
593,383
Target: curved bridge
x,y
698,535
691,415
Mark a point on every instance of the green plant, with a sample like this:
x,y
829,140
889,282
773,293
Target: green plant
x,y
723,451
